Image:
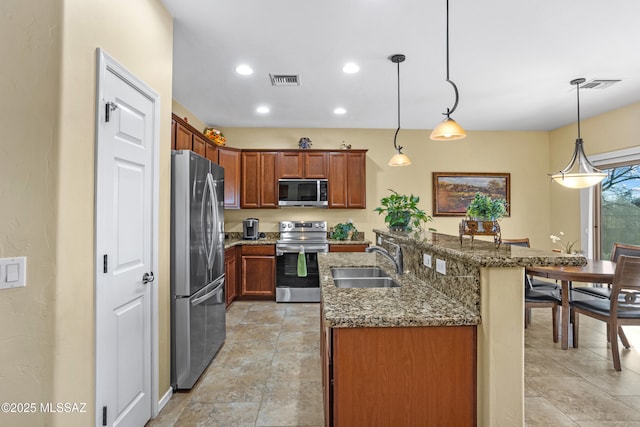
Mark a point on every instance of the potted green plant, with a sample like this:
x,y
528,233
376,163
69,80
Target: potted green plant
x,y
484,208
344,231
401,212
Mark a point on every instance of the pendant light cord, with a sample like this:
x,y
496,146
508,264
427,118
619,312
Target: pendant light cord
x,y
397,59
397,130
578,97
455,88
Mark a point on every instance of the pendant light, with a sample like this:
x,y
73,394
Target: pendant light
x,y
449,129
580,172
398,159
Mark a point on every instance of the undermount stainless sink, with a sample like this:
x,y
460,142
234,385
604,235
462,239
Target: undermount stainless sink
x,y
343,272
366,282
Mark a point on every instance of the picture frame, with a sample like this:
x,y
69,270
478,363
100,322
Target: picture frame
x,y
453,191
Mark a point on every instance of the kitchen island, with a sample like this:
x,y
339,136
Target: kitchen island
x,y
473,304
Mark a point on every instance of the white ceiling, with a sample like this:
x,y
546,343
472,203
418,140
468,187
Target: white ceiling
x,y
512,61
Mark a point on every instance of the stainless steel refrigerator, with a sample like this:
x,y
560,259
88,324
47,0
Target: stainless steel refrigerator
x,y
198,306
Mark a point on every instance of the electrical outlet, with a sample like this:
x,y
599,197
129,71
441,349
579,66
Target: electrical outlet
x,y
441,266
426,260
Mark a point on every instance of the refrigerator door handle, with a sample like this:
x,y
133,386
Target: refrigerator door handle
x,y
205,218
208,295
214,215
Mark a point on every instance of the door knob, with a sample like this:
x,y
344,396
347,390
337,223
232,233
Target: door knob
x,y
148,278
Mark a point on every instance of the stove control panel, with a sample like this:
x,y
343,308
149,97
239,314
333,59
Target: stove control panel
x,y
303,226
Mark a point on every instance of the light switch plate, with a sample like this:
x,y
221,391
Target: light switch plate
x,y
426,260
441,266
13,272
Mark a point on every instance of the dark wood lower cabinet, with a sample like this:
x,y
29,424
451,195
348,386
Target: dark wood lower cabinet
x,y
231,273
258,272
418,376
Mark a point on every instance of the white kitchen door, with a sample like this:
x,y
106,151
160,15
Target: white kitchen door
x,y
126,245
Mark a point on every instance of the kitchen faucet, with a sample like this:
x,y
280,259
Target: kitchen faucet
x,y
397,259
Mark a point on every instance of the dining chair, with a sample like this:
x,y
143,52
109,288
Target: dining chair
x,y
622,308
535,283
618,249
545,296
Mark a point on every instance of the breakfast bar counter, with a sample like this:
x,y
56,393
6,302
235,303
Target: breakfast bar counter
x,y
473,290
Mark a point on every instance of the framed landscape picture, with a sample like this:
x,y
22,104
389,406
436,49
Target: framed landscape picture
x,y
453,191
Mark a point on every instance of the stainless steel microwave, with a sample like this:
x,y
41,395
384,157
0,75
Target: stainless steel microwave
x,y
303,192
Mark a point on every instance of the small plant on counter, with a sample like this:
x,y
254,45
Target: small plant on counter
x,y
483,207
345,231
401,212
567,246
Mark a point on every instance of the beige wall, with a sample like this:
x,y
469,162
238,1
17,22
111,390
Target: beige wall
x,y
615,130
30,52
115,26
47,170
180,111
522,154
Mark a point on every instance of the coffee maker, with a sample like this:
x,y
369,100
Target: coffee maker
x,y
250,229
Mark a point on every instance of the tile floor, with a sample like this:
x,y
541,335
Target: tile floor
x,y
268,374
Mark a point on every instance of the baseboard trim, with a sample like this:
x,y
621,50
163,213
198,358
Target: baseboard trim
x,y
164,400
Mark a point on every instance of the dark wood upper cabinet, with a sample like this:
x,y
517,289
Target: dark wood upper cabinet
x,y
338,180
357,180
229,159
347,179
302,164
184,137
259,187
315,165
290,164
251,176
269,176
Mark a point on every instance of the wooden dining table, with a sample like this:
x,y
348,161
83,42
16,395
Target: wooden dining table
x,y
595,271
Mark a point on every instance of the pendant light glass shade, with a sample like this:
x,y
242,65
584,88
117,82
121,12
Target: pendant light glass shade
x,y
398,159
580,172
449,129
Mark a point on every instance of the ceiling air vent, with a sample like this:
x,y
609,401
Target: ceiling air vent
x,y
285,79
599,84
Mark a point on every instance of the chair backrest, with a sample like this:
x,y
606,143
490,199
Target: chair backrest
x,y
625,292
524,242
624,249
517,242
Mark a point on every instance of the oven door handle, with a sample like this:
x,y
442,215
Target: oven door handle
x,y
282,249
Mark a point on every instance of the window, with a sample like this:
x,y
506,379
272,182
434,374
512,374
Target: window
x,y
617,213
611,211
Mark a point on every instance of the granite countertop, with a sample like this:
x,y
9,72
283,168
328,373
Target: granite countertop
x,y
414,303
483,253
271,240
228,243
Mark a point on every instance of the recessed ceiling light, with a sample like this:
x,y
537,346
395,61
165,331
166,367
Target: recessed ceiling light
x,y
351,68
339,110
244,70
263,109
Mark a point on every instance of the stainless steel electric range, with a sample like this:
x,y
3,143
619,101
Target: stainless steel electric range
x,y
296,237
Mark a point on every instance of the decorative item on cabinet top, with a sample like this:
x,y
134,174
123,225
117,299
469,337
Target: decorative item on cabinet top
x,y
304,143
215,135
